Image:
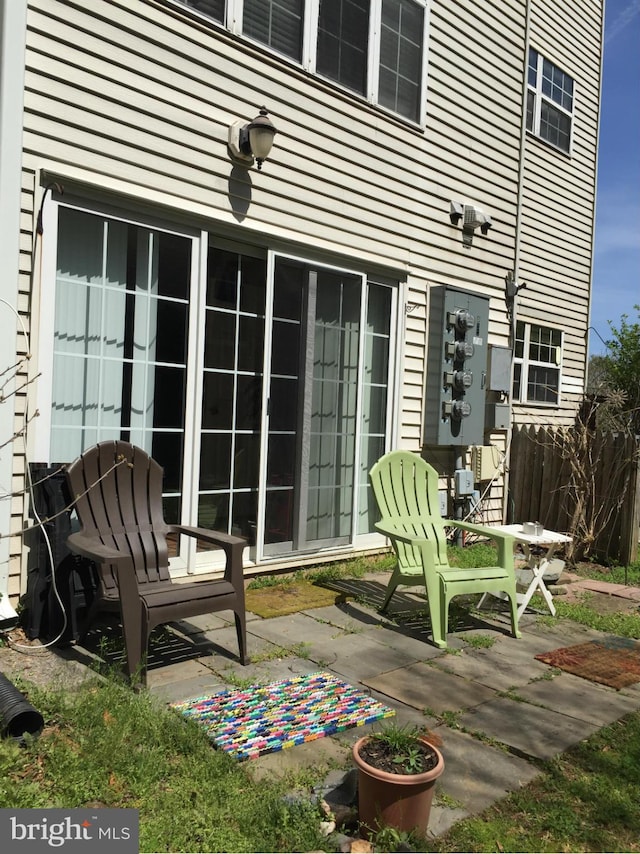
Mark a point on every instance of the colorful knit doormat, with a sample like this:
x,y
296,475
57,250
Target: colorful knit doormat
x,y
266,718
612,661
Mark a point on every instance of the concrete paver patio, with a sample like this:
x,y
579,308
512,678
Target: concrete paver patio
x,y
507,710
498,710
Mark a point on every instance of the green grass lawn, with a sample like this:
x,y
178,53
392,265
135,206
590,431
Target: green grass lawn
x,y
107,746
586,800
104,745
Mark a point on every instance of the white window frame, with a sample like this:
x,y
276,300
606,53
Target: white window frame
x,y
526,363
539,97
181,563
234,23
188,560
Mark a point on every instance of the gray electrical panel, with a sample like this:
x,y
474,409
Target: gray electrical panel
x,y
500,359
456,367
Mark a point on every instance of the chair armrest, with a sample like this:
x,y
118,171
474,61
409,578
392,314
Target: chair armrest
x,y
215,537
503,540
394,533
95,550
232,546
482,530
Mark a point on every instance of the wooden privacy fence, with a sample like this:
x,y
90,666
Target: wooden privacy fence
x,y
586,483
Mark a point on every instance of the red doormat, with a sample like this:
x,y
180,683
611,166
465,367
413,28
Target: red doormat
x,y
612,661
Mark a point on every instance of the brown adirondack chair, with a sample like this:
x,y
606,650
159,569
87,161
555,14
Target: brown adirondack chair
x,y
406,490
117,489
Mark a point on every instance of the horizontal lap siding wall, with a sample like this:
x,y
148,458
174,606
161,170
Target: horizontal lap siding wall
x,y
136,97
141,94
473,134
559,197
26,384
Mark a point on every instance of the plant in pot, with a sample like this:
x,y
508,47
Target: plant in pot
x,y
397,771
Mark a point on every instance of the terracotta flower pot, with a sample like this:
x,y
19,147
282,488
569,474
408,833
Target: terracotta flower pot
x,y
402,801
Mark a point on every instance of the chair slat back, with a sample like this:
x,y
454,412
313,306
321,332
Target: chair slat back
x,y
406,490
117,489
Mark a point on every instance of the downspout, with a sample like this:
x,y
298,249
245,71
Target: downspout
x,y
587,342
516,250
13,34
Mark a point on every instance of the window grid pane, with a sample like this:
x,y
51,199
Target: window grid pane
x,y
554,89
520,330
120,340
533,67
543,384
211,8
538,375
555,126
343,42
232,393
276,23
339,47
401,47
557,85
531,102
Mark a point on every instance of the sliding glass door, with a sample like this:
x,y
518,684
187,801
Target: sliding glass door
x,y
120,341
260,382
313,405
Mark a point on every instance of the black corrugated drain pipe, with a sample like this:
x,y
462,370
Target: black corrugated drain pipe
x,y
17,715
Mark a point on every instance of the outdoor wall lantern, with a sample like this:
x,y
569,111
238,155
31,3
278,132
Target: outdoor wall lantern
x,y
252,140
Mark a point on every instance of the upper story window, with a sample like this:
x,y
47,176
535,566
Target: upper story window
x,y
375,48
537,361
549,101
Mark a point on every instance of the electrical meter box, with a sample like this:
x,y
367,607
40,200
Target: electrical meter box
x,y
500,359
456,367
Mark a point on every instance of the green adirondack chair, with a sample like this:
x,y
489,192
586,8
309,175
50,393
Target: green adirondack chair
x,y
406,491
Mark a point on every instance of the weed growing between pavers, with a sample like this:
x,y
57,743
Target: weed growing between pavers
x,y
480,641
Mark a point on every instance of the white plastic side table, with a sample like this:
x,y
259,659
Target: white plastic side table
x,y
535,565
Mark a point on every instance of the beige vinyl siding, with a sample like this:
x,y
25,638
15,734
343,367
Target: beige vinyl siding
x,y
473,130
134,98
559,196
141,94
27,387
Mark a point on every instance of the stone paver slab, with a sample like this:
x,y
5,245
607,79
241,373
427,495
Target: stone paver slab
x,y
260,673
221,648
425,687
529,729
175,673
322,751
495,672
357,657
203,623
442,819
349,615
621,590
563,633
292,629
477,774
204,685
578,698
418,647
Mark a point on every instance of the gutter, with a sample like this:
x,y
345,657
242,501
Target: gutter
x,y
516,251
